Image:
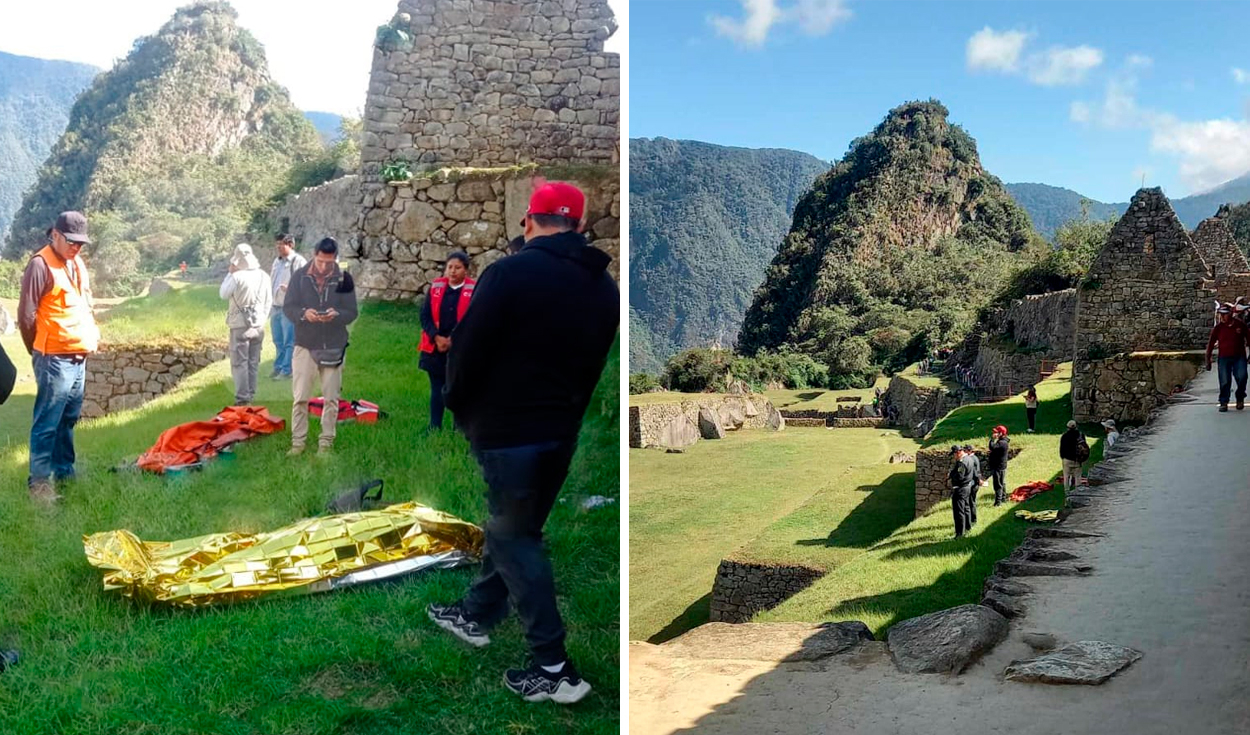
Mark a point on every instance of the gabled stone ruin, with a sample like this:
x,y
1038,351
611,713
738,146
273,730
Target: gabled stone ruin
x,y
477,98
1147,291
1215,243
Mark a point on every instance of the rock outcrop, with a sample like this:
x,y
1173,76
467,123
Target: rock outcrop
x,y
947,641
1083,662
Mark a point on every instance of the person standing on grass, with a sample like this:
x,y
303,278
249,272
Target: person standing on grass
x,y
1073,451
997,463
978,480
1231,336
283,329
962,480
54,315
248,290
320,302
443,309
523,364
1030,407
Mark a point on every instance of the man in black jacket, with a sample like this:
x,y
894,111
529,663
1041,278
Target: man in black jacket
x,y
1072,446
321,302
962,479
997,463
523,364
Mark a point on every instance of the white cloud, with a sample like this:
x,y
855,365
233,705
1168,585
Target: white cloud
x,y
1209,152
993,51
813,17
1241,76
753,30
1060,66
1140,61
818,17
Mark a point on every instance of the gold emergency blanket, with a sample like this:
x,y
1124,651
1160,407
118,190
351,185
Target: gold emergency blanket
x,y
313,555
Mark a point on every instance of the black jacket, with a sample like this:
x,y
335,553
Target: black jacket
x,y
998,455
525,359
435,363
964,474
339,294
1068,443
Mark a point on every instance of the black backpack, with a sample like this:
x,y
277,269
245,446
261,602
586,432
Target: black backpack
x,y
1082,448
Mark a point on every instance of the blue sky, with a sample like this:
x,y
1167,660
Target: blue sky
x,y
1085,95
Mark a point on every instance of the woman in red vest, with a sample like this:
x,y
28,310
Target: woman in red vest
x,y
444,307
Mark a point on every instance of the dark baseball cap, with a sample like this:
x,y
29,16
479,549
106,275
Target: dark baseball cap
x,y
956,449
73,225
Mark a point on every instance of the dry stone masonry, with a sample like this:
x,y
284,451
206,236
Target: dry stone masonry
x,y
1128,386
649,424
1144,292
743,589
478,97
123,377
917,404
1214,241
328,210
1019,337
933,468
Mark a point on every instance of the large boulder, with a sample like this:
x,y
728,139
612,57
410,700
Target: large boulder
x,y
774,419
710,423
947,641
678,433
1083,662
749,409
732,417
158,287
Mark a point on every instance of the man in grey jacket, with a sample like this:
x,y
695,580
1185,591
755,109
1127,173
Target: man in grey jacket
x,y
281,328
247,288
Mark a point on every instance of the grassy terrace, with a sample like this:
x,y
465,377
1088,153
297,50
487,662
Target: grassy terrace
x,y
827,499
359,661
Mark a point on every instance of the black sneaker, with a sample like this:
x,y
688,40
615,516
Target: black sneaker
x,y
536,684
1223,408
451,619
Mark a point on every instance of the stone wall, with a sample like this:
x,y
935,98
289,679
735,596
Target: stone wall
x,y
1127,387
1005,372
1214,241
1143,292
743,589
329,210
1237,284
494,83
933,467
1043,322
647,421
407,231
122,377
866,423
918,404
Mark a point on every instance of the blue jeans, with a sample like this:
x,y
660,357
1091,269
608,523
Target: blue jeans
x,y
523,484
283,331
1232,368
58,404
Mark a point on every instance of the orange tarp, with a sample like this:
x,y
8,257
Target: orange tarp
x,y
199,440
1029,489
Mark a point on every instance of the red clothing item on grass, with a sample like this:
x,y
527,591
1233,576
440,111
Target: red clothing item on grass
x,y
199,440
1029,489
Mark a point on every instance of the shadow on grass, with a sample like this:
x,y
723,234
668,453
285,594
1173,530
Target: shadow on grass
x,y
887,508
810,395
693,616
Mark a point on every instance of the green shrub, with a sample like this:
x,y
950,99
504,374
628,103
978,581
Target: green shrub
x,y
698,371
643,383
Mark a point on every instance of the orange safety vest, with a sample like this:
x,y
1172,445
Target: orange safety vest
x,y
437,290
64,324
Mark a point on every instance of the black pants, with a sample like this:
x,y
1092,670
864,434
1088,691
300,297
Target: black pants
x,y
961,504
1032,414
523,484
437,407
1000,485
972,504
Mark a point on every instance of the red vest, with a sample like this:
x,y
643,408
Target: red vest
x,y
437,289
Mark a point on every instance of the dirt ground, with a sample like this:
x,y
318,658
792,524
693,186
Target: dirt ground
x,y
1171,579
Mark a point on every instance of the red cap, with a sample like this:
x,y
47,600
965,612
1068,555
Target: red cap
x,y
557,198
1001,429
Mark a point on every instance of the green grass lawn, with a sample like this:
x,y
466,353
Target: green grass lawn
x,y
688,511
185,315
816,399
921,567
359,661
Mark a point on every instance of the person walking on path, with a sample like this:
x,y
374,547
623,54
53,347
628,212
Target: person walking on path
x,y
523,365
1030,407
997,463
59,330
321,302
1231,336
1073,451
962,480
443,309
283,329
248,290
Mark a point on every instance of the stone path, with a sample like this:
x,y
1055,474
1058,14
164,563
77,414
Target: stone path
x,y
1171,579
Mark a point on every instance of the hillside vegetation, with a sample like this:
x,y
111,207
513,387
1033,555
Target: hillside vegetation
x,y
892,251
171,152
704,222
35,99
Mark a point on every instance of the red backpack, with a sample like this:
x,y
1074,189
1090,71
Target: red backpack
x,y
366,412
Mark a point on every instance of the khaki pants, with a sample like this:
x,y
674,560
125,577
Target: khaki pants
x,y
1071,474
303,371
